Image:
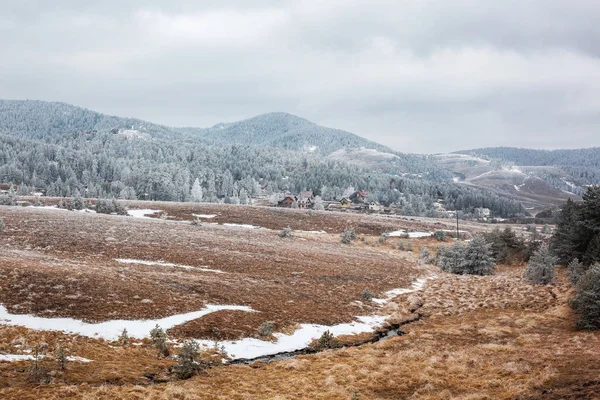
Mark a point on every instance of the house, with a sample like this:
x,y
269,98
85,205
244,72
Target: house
x,y
287,201
482,212
345,202
306,199
360,196
373,206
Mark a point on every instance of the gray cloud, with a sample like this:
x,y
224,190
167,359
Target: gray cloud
x,y
419,76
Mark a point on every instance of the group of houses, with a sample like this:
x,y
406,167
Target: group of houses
x,y
303,200
357,201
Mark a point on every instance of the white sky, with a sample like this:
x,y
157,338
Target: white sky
x,y
417,75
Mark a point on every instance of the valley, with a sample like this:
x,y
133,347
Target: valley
x,y
156,265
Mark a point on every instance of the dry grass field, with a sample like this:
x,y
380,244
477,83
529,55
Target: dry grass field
x,y
478,337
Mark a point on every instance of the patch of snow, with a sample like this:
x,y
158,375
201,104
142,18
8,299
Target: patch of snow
x,y
390,294
302,337
456,179
28,357
109,330
311,149
166,264
411,235
204,215
517,188
315,232
242,226
142,213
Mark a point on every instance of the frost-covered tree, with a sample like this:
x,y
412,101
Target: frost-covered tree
x,y
196,192
452,258
478,258
586,302
575,270
244,199
540,269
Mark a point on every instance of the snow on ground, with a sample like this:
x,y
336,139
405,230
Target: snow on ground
x,y
109,330
411,235
166,264
204,215
142,213
315,232
302,337
389,295
242,226
246,348
28,357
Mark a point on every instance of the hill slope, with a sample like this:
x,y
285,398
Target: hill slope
x,y
34,119
285,131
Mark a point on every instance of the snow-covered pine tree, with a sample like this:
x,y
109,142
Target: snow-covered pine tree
x,y
540,269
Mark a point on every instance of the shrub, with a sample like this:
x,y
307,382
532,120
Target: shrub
x,y
348,236
286,233
188,360
425,256
1,224
326,341
158,337
76,203
540,269
586,302
546,229
367,295
401,246
61,358
474,259
383,238
124,337
440,236
38,370
266,328
575,270
409,246
196,222
507,247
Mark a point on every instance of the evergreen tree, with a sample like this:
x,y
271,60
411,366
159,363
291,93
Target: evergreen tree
x,y
540,269
196,192
587,300
478,257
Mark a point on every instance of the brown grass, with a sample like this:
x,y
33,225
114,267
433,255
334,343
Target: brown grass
x,y
492,337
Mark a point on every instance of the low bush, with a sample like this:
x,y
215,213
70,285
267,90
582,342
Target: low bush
x,y
266,328
286,233
348,236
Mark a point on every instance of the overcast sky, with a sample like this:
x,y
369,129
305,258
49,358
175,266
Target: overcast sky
x,y
417,75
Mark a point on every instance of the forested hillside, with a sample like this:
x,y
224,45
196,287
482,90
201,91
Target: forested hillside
x,y
285,131
64,150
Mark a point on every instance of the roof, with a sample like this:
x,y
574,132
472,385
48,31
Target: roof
x,y
307,194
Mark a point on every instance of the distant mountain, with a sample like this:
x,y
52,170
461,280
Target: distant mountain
x,y
285,131
539,179
34,119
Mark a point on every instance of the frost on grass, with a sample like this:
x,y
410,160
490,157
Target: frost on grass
x,y
166,264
